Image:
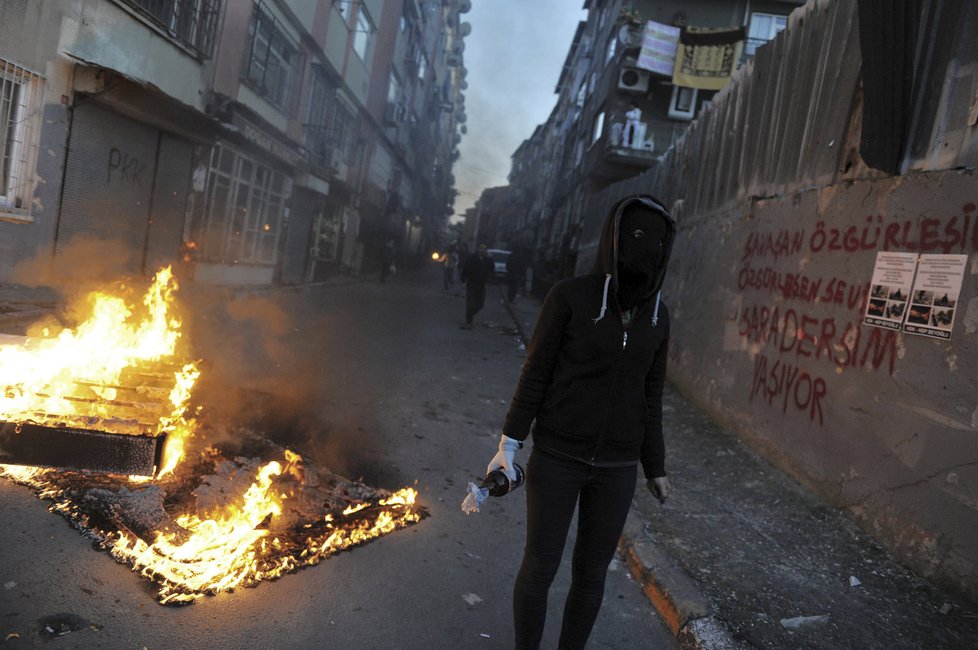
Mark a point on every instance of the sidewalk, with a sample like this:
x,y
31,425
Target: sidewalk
x,y
741,556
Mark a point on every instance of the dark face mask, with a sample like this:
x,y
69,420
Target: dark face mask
x,y
641,252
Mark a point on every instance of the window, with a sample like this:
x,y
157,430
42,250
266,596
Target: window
x,y
315,132
20,99
191,22
273,67
344,132
581,95
682,106
393,88
245,202
363,33
422,65
598,127
763,27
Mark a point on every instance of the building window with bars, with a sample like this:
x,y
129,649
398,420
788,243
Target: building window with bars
x,y
343,132
316,130
274,63
243,210
20,105
190,22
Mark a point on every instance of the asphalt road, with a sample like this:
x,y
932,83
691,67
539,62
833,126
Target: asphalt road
x,y
377,382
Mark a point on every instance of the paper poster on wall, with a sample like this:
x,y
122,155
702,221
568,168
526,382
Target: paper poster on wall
x,y
890,289
935,295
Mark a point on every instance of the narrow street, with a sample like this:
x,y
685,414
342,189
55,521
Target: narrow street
x,y
377,382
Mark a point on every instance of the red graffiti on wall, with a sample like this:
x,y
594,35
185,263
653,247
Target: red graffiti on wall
x,y
802,287
790,332
788,385
956,233
790,336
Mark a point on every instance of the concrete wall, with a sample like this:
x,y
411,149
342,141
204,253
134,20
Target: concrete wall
x,y
767,301
780,224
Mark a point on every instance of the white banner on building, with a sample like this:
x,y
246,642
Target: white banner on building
x,y
935,295
890,289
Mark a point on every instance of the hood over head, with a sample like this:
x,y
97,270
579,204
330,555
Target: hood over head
x,y
634,249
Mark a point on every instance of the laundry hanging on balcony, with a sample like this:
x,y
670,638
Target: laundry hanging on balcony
x,y
659,44
707,56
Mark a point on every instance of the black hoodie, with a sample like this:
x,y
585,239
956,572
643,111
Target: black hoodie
x,y
592,383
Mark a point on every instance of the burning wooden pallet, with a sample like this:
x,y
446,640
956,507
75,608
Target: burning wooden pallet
x,y
85,413
87,425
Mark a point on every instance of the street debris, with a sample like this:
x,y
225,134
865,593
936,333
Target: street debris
x,y
799,621
471,599
854,581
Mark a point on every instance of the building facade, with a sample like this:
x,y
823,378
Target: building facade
x,y
266,141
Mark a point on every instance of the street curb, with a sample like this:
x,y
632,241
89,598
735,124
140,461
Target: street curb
x,y
672,592
516,321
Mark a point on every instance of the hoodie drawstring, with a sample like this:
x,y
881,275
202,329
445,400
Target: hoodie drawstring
x,y
604,300
604,303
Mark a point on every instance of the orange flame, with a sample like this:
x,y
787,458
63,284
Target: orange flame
x,y
83,377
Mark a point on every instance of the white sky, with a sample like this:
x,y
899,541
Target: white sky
x,y
513,56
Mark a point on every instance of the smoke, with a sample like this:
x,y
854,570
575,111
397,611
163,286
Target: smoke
x,y
266,370
79,265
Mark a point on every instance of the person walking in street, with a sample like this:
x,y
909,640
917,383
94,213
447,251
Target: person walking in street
x,y
387,259
592,388
449,261
476,271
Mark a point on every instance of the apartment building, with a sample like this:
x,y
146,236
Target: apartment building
x,y
620,105
247,142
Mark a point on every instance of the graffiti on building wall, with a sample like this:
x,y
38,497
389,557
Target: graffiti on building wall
x,y
124,168
799,344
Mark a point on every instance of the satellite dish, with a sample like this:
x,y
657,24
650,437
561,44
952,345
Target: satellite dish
x,y
465,29
630,35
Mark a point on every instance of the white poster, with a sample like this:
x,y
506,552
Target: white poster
x,y
935,295
890,289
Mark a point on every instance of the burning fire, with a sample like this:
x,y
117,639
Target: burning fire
x,y
82,377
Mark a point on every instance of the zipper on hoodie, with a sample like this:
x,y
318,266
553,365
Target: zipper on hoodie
x,y
607,417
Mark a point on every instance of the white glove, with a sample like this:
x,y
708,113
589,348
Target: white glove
x,y
505,456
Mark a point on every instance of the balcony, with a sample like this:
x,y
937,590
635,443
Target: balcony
x,y
612,157
321,147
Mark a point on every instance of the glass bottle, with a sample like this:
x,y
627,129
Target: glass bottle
x,y
499,484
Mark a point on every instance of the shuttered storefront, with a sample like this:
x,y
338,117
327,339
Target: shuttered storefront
x,y
125,185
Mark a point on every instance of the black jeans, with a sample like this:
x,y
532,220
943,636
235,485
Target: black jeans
x,y
554,487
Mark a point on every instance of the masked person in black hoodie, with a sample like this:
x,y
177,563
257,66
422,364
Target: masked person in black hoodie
x,y
592,388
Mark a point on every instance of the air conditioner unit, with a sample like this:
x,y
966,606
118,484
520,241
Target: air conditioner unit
x,y
633,80
390,113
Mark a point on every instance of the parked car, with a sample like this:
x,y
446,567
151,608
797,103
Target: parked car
x,y
499,257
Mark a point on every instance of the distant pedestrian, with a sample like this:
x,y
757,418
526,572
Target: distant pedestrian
x,y
592,388
463,257
515,274
475,273
387,260
449,261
